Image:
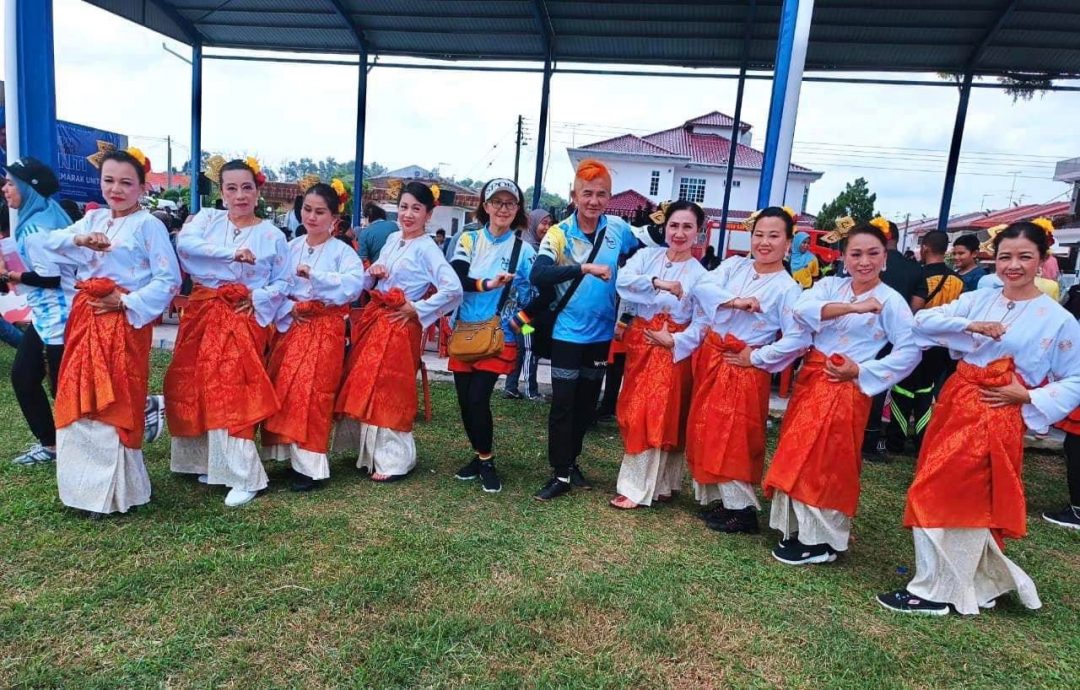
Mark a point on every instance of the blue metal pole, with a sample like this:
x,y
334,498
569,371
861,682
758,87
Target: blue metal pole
x,y
784,44
954,152
36,80
196,123
541,137
361,127
736,132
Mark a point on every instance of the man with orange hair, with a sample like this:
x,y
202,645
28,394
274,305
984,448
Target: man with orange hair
x,y
579,257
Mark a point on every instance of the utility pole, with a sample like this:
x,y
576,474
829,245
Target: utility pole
x,y
168,165
517,150
1012,189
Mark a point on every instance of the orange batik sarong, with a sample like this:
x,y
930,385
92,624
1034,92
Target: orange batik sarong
x,y
218,378
819,456
306,363
655,396
380,384
105,370
969,473
725,435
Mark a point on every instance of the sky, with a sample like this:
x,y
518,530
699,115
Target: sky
x,y
115,75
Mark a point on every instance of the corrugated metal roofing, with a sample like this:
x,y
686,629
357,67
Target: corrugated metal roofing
x,y
991,36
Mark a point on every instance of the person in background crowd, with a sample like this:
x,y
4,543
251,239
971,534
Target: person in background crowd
x,y
913,398
379,390
49,289
308,356
493,266
580,258
708,259
72,209
744,331
539,222
1069,515
1019,367
375,233
655,286
294,219
814,475
128,276
217,390
440,239
906,278
965,253
804,264
9,333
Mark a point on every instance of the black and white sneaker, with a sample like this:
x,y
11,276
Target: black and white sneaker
x,y
155,418
553,489
797,553
470,470
489,477
1068,517
744,521
713,511
577,478
903,601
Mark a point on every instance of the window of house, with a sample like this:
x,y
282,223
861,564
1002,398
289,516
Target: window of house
x,y
654,183
692,189
735,183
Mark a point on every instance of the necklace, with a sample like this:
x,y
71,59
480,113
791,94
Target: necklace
x,y
1010,309
310,251
855,298
757,283
236,229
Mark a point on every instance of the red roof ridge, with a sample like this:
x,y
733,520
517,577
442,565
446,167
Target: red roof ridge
x,y
627,138
717,119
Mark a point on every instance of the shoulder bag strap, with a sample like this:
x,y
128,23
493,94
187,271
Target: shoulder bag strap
x,y
513,269
597,243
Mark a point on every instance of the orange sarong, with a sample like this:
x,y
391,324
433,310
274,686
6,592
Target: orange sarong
x,y
305,365
1071,424
725,436
819,457
969,472
655,397
106,367
218,379
380,386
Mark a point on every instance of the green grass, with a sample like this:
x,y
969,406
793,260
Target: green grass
x,y
430,582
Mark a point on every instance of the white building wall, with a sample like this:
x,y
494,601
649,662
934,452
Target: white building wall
x,y
637,176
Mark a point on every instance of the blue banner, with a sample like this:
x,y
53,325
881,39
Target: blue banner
x,y
75,143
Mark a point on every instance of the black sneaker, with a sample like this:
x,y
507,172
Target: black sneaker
x,y
713,511
470,470
488,476
553,489
903,601
578,479
744,521
512,395
797,553
301,483
876,454
1068,517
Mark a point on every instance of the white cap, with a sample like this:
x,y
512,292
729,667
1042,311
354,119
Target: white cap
x,y
501,184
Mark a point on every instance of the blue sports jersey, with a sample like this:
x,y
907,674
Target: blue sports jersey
x,y
487,257
589,317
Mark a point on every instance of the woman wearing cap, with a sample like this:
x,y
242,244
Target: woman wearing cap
x,y
1019,367
655,285
743,332
308,356
493,266
128,276
49,291
411,286
217,389
539,222
814,476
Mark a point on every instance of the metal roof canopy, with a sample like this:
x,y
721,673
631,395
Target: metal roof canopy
x,y
988,37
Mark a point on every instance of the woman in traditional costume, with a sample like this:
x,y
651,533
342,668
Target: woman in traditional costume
x,y
493,266
744,331
654,285
129,276
308,355
217,389
814,476
379,391
1019,366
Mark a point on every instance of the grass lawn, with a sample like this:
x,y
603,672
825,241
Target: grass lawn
x,y
431,582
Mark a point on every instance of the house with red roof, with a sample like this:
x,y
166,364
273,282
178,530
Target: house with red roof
x,y
690,162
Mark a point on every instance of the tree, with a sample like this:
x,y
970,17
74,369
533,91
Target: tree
x,y
548,200
855,201
374,169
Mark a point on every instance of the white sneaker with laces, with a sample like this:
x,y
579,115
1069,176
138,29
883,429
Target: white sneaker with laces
x,y
238,497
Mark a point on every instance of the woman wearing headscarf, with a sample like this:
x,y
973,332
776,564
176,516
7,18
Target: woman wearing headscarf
x,y
128,276
804,264
49,291
539,222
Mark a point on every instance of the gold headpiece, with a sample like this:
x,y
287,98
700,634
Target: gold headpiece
x,y
213,168
105,147
393,189
307,182
840,230
987,247
657,216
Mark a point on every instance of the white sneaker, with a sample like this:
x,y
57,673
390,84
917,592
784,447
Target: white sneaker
x,y
204,479
238,497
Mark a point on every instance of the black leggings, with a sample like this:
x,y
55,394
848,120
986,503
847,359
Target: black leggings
x,y
474,399
577,374
1072,467
34,360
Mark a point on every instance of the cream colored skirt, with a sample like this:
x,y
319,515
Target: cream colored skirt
x,y
811,525
733,495
654,472
380,451
95,472
225,460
